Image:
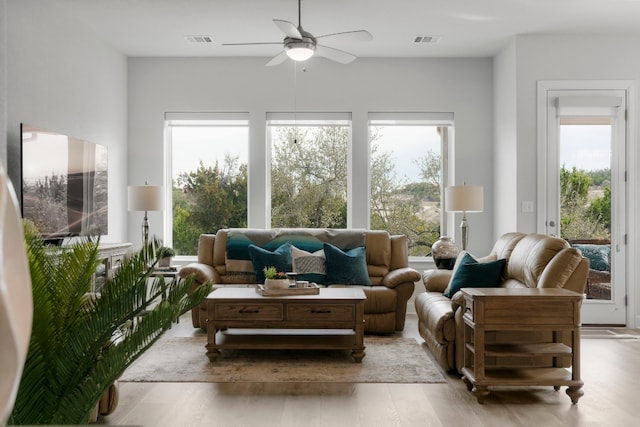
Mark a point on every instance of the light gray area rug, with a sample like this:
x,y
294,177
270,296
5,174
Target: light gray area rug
x,y
183,359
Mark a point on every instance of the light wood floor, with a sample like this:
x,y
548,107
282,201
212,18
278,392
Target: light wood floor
x,y
610,370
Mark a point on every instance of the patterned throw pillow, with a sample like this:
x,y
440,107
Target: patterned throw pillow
x,y
310,266
599,256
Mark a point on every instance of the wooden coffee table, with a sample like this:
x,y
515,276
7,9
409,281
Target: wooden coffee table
x,y
240,318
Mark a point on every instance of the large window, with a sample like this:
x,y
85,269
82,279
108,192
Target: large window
x,y
306,170
208,174
408,173
309,169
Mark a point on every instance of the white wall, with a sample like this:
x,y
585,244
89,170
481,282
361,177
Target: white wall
x,y
505,183
461,86
64,79
587,57
3,84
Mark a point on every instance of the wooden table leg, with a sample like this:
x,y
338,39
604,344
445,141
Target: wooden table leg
x,y
358,355
575,393
212,349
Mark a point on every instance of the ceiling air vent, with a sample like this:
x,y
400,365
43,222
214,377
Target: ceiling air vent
x,y
427,39
199,39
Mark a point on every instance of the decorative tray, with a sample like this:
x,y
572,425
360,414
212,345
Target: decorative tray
x,y
310,289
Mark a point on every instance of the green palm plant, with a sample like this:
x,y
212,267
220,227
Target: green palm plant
x,y
82,343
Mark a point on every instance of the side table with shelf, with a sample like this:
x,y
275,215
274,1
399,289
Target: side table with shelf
x,y
500,309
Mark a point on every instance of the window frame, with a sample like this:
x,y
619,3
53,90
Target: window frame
x,y
170,119
358,169
441,120
307,120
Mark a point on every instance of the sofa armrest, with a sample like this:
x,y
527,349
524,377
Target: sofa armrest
x,y
436,280
400,275
457,301
203,272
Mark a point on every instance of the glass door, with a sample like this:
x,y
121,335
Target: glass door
x,y
586,192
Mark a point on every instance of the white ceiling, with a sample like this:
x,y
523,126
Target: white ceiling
x,y
469,28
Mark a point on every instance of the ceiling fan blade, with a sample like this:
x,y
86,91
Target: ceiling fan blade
x,y
278,59
288,28
334,54
249,44
360,35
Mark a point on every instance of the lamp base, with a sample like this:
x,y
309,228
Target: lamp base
x,y
145,230
464,229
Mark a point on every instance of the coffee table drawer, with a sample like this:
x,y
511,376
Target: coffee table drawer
x,y
248,311
311,312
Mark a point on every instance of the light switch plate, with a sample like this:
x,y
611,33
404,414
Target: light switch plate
x,y
527,206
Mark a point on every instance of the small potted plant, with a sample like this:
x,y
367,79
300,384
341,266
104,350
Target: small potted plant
x,y
164,256
274,279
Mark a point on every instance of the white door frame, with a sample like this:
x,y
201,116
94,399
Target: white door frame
x,y
632,175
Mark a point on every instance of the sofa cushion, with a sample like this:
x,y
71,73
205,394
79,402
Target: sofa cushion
x,y
261,258
472,274
346,268
310,266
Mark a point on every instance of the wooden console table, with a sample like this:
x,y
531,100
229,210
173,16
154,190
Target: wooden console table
x,y
498,309
333,319
110,256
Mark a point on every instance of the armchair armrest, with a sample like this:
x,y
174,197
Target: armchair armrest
x,y
400,275
436,280
203,272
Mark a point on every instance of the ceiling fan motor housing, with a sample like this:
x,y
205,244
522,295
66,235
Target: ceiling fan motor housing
x,y
300,49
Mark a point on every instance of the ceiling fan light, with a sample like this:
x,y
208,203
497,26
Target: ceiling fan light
x,y
300,51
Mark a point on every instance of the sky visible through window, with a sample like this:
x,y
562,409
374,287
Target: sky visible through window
x,y
586,147
406,144
191,145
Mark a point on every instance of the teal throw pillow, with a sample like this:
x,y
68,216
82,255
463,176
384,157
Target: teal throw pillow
x,y
473,274
261,258
346,267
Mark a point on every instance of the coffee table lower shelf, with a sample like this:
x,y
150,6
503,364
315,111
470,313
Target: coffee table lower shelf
x,y
293,339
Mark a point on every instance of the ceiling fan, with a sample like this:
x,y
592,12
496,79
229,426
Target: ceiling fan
x,y
301,45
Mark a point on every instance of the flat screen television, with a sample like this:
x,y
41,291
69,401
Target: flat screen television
x,y
64,184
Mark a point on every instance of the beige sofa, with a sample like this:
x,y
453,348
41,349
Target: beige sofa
x,y
533,261
387,264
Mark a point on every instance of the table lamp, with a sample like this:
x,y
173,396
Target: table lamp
x,y
464,198
146,198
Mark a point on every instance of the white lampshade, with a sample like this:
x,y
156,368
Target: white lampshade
x,y
146,198
464,198
300,51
